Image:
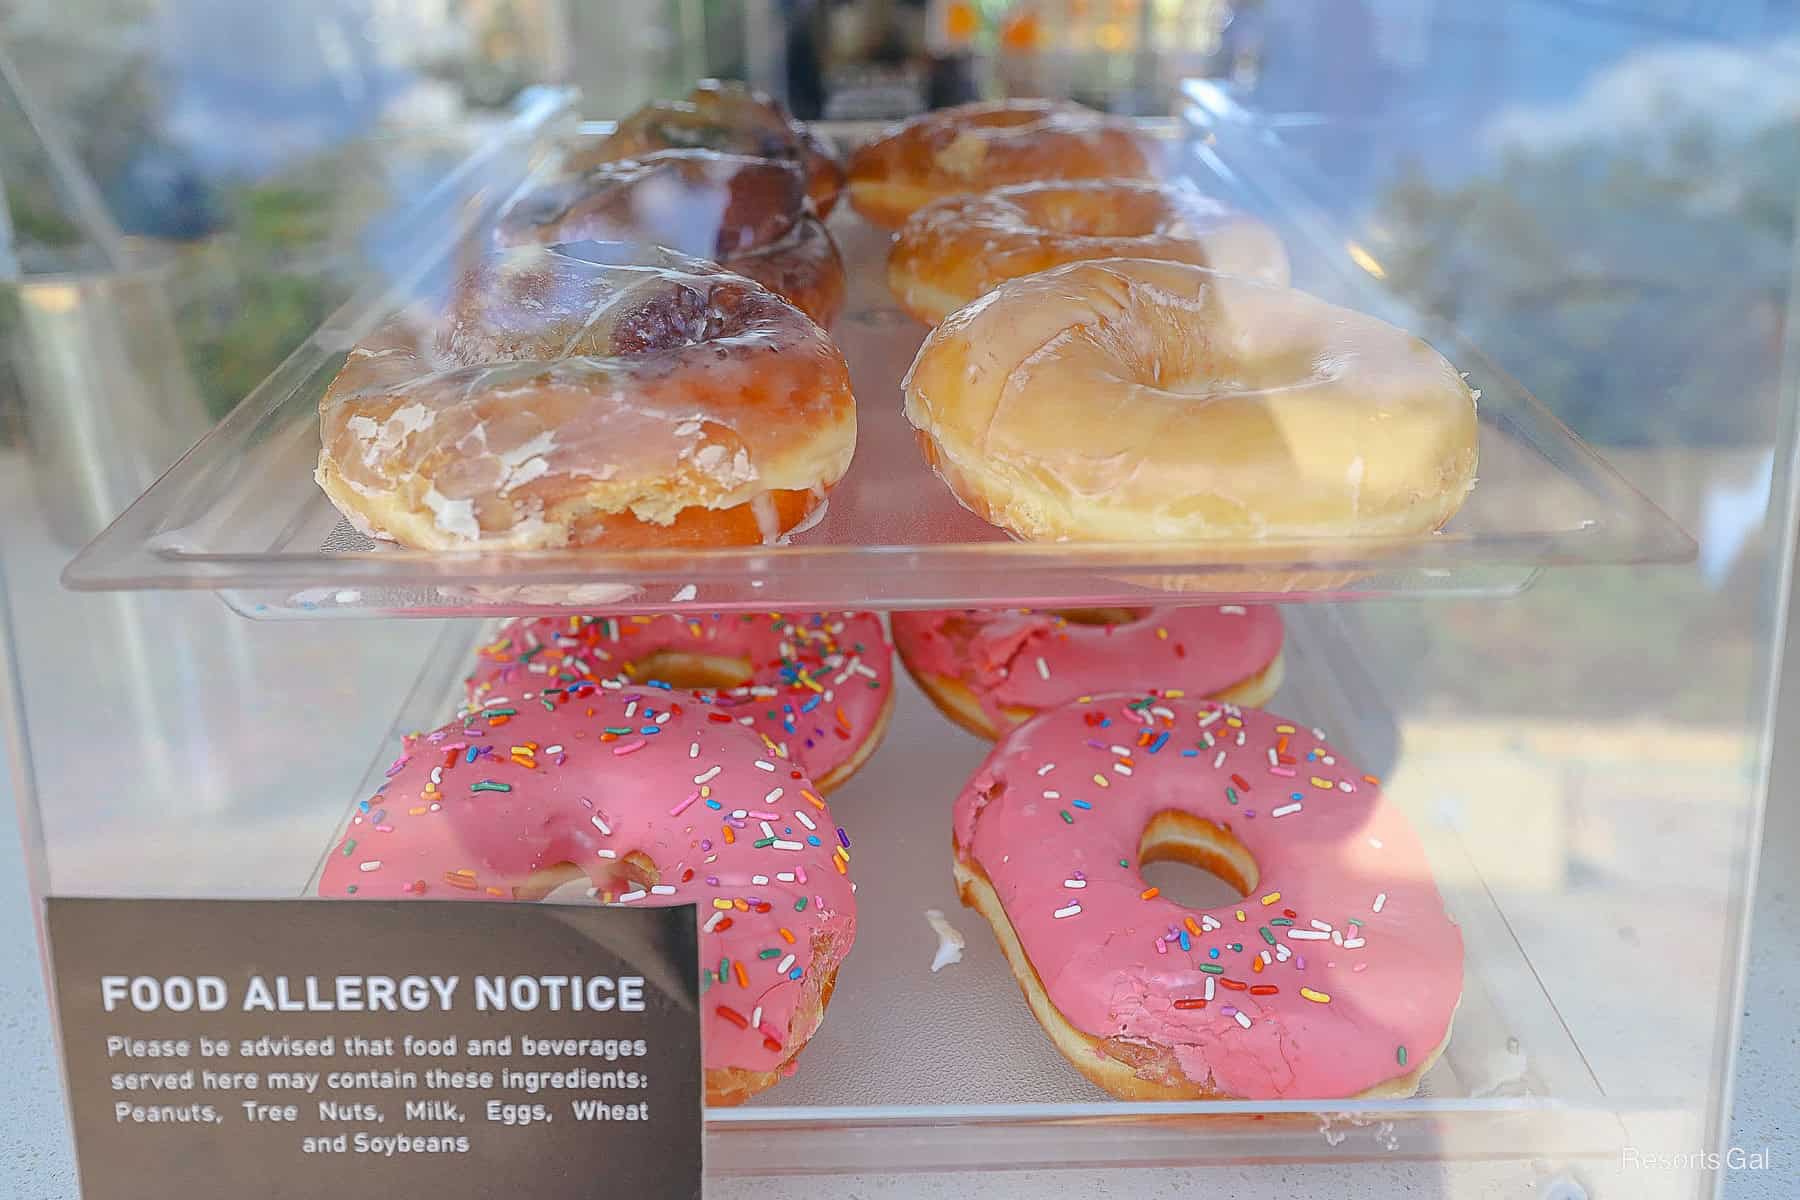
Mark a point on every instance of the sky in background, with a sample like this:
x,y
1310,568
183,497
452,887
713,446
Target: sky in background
x,y
1450,84
248,83
240,88
243,87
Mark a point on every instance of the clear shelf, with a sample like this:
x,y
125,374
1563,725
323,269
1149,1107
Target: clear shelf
x,y
241,515
913,1070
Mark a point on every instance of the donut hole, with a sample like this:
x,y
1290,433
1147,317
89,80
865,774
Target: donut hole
x,y
691,672
1101,616
1194,862
566,883
1189,884
668,318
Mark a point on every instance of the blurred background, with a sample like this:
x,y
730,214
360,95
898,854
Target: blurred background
x,y
247,149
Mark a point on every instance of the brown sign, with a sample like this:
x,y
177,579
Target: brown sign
x,y
379,1049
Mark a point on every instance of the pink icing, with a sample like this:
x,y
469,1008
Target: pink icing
x,y
728,827
997,653
1368,929
817,686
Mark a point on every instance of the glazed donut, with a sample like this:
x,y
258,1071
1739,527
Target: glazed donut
x,y
585,395
725,116
747,214
1338,973
817,687
1126,400
637,791
975,147
989,670
961,247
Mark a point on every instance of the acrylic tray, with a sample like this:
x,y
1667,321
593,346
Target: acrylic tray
x,y
241,515
913,1070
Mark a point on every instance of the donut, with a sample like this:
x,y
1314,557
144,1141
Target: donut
x,y
816,687
961,247
636,791
1338,973
589,395
727,116
1129,400
988,670
747,214
975,147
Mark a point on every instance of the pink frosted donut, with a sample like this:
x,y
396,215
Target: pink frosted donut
x,y
988,670
1338,973
818,687
638,791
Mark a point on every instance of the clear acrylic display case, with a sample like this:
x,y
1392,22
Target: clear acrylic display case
x,y
1569,690
241,514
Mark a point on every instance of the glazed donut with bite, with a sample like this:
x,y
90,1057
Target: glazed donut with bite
x,y
729,117
1336,975
961,247
589,395
816,687
749,215
1128,400
984,145
636,793
991,669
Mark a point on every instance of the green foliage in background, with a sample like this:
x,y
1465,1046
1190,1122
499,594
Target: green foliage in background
x,y
250,296
1640,289
1586,644
290,253
34,222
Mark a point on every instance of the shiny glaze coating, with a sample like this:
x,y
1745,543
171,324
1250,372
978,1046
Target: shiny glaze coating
x,y
975,147
588,394
750,215
1133,400
730,117
956,249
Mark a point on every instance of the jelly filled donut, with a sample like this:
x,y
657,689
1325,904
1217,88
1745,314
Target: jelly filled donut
x,y
1338,973
975,147
589,395
961,247
990,669
1130,400
730,117
747,214
638,792
816,687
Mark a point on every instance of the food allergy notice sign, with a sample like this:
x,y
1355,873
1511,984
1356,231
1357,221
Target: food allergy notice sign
x,y
379,1049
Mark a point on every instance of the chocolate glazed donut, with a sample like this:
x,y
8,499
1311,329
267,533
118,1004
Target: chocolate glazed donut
x,y
747,214
731,118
